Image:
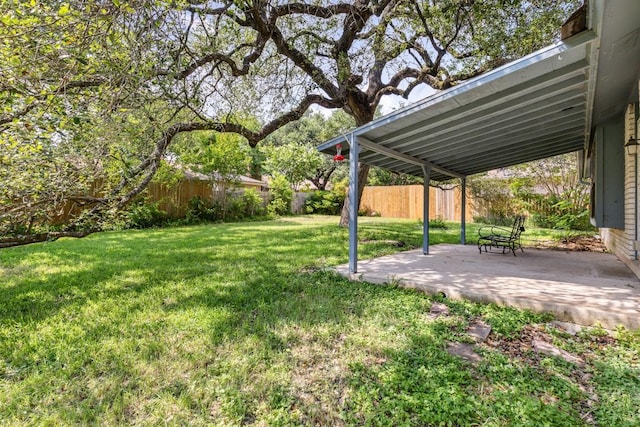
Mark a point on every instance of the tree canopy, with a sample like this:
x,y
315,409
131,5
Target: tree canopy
x,y
99,88
291,150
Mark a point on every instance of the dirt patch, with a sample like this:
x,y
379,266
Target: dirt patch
x,y
318,381
576,243
519,347
527,348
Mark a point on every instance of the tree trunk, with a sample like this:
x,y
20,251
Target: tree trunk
x,y
7,242
363,112
363,174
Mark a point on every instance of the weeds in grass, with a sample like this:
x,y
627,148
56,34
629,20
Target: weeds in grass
x,y
243,324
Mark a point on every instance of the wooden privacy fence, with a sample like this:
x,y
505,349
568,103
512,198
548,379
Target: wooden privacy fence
x,y
406,201
389,201
174,199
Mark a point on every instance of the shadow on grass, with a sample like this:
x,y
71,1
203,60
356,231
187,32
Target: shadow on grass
x,y
41,280
258,308
176,317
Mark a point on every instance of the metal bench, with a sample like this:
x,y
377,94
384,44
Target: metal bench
x,y
498,237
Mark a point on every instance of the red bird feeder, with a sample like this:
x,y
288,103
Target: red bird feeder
x,y
338,157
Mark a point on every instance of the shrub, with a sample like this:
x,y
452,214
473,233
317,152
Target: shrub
x,y
324,202
254,205
235,208
571,217
200,209
554,212
365,211
501,220
281,196
144,215
278,207
247,204
437,223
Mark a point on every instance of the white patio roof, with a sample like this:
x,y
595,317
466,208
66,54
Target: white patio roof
x,y
542,105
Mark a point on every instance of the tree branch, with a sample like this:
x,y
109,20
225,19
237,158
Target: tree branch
x,y
8,118
150,165
302,62
314,10
296,113
63,88
7,242
227,59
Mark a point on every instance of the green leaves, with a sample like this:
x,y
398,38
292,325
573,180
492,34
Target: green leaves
x,y
291,151
63,10
221,156
106,80
295,161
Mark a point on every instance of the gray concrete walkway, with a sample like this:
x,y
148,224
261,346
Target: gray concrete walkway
x,y
578,287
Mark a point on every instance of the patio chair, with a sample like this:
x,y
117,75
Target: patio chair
x,y
498,237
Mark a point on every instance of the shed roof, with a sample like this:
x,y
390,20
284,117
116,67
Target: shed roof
x,y
542,105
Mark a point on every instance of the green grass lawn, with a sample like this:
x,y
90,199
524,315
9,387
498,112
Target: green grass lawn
x,y
244,324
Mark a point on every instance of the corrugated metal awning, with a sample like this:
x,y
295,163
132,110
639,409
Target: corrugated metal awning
x,y
536,107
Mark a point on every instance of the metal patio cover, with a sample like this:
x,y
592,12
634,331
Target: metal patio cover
x,y
536,107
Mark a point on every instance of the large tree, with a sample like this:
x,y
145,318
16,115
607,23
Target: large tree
x,y
138,73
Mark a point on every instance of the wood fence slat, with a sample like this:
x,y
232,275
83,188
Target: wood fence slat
x,y
405,201
388,201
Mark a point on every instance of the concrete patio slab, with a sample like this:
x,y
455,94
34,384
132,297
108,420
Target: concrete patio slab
x,y
579,287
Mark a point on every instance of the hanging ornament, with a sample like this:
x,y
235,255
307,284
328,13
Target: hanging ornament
x,y
338,157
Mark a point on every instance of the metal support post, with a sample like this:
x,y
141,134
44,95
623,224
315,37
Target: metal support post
x,y
426,170
463,212
354,152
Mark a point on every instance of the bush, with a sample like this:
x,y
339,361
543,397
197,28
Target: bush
x,y
254,205
144,215
503,199
235,208
200,209
365,211
324,202
558,213
281,196
501,220
437,223
493,196
570,217
245,205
